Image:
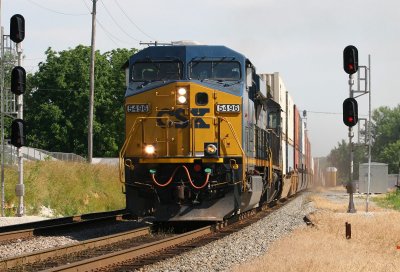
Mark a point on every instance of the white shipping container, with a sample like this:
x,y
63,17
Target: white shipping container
x,y
284,172
278,92
290,157
290,119
303,137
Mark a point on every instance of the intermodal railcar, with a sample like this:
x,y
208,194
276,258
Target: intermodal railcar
x,y
206,136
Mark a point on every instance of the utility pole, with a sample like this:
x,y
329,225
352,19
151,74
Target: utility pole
x,y
369,131
2,118
91,96
20,188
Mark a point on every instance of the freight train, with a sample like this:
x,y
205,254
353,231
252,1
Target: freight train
x,y
206,136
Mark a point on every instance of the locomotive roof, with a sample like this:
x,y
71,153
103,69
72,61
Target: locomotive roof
x,y
186,53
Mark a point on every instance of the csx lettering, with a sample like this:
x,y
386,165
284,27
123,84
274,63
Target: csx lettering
x,y
178,113
199,122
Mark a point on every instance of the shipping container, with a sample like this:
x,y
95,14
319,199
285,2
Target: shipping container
x,y
297,126
290,153
277,91
284,156
290,119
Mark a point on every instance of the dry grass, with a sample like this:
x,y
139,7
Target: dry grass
x,y
374,246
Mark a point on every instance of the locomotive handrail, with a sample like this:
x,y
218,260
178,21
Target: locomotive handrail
x,y
127,140
123,150
219,140
241,149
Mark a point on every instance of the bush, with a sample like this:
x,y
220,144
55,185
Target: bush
x,y
391,200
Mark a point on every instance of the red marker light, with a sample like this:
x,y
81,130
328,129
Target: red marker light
x,y
351,67
350,119
197,167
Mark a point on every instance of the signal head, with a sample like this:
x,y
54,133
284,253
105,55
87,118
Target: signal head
x,y
350,59
17,133
350,112
18,80
17,28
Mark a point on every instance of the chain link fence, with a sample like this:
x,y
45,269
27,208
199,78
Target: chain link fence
x,y
28,153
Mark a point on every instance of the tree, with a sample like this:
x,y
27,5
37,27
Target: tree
x,y
385,145
57,103
386,137
339,157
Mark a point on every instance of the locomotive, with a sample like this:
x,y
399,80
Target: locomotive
x,y
205,138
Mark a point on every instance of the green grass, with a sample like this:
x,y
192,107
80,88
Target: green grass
x,y
66,188
391,200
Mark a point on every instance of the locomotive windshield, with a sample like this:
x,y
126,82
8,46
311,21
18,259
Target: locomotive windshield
x,y
154,71
217,70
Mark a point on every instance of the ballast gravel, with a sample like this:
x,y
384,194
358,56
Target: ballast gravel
x,y
219,255
24,246
241,246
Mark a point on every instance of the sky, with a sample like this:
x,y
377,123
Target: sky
x,y
302,40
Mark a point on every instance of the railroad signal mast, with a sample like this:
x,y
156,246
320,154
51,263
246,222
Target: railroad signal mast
x,y
18,87
350,113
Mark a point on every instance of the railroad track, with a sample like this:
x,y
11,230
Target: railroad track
x,y
46,259
59,225
124,253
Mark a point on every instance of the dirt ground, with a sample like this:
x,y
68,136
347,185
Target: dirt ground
x,y
374,244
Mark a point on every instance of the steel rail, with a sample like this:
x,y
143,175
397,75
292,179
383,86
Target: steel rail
x,y
127,254
72,248
58,221
31,229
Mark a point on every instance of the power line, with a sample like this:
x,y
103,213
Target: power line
x,y
56,11
73,91
116,23
323,112
126,15
336,113
108,34
111,36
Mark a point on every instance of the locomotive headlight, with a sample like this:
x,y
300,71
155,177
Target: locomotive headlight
x,y
149,149
181,97
182,91
210,149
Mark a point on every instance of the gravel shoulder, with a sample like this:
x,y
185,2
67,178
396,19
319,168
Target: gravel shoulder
x,y
242,246
5,221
